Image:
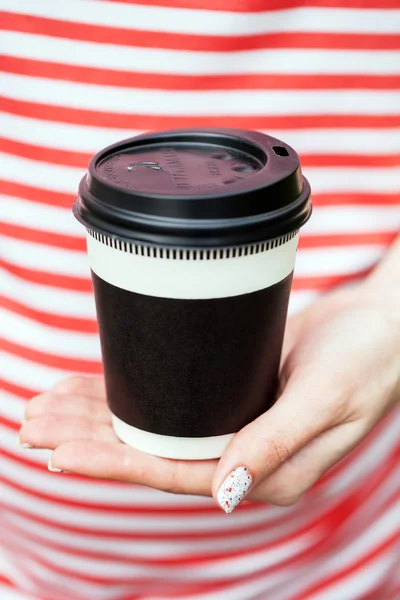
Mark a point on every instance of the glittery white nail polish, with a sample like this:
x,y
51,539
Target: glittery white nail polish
x,y
234,489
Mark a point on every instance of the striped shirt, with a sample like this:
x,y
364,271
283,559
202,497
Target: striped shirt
x,y
76,75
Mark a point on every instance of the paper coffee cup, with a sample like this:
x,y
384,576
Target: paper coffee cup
x,y
192,238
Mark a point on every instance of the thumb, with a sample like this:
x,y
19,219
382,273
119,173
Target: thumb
x,y
265,444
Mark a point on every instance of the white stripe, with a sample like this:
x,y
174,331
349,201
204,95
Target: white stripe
x,y
361,580
340,141
192,279
32,334
352,219
41,174
240,566
29,374
350,586
245,591
130,522
66,136
9,441
152,549
6,593
42,217
189,103
44,258
381,529
80,138
12,407
52,300
18,567
345,555
336,261
154,60
17,576
322,179
300,300
347,180
208,22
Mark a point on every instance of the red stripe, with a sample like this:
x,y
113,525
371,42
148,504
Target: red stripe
x,y
396,592
34,194
183,534
48,112
17,390
351,569
263,5
52,320
330,520
76,284
349,199
327,282
42,153
384,238
183,559
132,79
380,476
48,238
81,159
51,360
308,554
350,160
381,590
197,582
194,42
5,422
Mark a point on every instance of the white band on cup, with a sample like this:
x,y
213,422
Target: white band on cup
x,y
223,274
166,446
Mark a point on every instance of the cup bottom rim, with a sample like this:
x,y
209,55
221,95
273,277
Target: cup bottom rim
x,y
165,446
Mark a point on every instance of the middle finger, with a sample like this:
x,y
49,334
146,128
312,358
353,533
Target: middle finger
x,y
67,405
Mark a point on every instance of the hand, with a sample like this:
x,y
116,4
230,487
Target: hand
x,y
340,375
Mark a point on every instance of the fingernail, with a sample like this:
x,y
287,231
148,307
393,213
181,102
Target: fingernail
x,y
234,489
54,469
23,444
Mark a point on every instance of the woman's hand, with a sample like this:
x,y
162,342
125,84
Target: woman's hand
x,y
340,375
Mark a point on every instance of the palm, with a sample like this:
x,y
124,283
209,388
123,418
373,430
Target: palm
x,y
74,420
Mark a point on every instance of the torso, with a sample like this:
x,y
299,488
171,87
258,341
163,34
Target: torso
x,y
76,76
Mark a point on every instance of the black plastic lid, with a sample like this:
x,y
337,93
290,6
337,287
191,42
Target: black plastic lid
x,y
195,188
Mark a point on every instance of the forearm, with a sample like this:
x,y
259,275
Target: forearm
x,y
382,288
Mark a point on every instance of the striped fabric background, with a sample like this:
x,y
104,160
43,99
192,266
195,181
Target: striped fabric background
x,y
76,75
